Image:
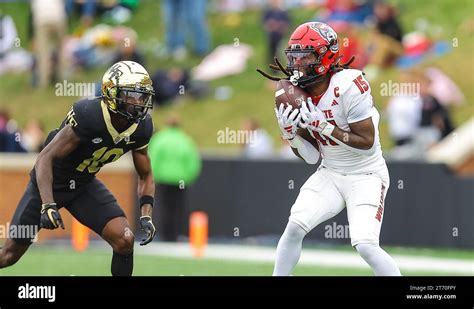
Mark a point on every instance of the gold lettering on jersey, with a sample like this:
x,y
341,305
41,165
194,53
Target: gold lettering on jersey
x,y
70,118
100,158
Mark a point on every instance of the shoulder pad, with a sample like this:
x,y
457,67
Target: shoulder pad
x,y
344,79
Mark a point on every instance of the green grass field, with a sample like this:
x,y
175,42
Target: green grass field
x,y
63,261
205,118
38,262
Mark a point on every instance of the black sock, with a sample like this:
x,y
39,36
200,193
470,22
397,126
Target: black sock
x,y
122,265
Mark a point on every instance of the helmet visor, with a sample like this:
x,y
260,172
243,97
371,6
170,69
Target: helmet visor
x,y
301,58
135,97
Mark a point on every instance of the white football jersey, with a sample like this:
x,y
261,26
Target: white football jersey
x,y
348,100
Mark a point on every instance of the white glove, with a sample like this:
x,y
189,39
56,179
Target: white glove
x,y
287,122
313,119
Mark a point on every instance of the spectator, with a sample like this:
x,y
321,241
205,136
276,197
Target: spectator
x,y
276,22
196,12
168,84
259,143
33,136
126,39
443,88
87,11
9,135
433,114
386,21
49,26
12,57
182,17
176,164
175,29
386,44
8,34
417,121
345,10
404,114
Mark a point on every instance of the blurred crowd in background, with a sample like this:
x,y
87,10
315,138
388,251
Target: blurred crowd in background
x,y
416,122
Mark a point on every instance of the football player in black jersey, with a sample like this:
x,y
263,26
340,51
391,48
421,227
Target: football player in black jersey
x,y
95,132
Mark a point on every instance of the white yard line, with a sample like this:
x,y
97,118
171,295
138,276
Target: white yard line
x,y
308,257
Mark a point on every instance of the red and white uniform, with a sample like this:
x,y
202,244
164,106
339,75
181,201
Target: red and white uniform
x,y
346,178
348,100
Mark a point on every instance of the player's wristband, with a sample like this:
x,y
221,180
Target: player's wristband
x,y
326,128
46,206
147,199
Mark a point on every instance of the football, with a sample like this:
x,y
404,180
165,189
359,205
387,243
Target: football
x,y
287,93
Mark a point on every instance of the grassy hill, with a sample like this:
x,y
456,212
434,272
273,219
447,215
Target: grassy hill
x,y
251,97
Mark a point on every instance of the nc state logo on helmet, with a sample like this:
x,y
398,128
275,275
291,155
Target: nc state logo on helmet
x,y
127,90
327,33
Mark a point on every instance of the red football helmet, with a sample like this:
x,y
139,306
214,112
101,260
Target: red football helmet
x,y
312,52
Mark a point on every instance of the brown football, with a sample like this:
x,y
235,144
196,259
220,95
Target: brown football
x,y
287,93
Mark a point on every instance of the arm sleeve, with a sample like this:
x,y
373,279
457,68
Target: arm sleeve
x,y
307,151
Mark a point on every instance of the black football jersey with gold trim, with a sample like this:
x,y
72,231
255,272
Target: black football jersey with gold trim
x,y
100,143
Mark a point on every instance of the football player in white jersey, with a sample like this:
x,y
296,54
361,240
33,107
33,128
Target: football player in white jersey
x,y
341,115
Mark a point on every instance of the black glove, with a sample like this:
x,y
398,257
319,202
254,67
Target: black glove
x,y
147,226
50,217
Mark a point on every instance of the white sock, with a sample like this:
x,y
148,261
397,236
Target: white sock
x,y
289,249
381,263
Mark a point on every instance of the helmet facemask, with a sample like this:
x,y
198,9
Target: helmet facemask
x,y
133,104
305,65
